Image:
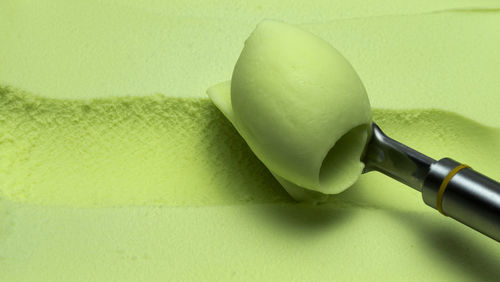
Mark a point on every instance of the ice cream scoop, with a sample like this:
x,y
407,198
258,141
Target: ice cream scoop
x,y
304,112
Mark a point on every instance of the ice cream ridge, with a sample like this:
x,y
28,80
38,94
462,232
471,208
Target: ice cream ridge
x,y
301,108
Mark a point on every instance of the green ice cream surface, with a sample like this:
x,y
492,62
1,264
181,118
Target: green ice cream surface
x,y
115,166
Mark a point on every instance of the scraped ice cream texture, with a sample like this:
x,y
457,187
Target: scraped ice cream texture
x,y
301,108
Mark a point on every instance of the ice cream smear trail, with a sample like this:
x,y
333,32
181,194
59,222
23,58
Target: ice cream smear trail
x,y
301,108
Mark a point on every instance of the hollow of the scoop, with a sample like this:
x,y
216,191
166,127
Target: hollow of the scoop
x,y
342,165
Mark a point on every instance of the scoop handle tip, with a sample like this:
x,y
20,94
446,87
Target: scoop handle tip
x,y
454,189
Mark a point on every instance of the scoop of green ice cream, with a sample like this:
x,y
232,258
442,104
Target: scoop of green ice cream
x,y
301,108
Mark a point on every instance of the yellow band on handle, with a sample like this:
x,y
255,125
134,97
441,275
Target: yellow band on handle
x,y
445,182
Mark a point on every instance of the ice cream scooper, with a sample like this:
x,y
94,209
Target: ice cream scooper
x,y
304,112
452,188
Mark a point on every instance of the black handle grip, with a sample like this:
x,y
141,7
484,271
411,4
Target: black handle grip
x,y
459,192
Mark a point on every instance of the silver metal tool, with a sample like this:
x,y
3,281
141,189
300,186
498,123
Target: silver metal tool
x,y
454,189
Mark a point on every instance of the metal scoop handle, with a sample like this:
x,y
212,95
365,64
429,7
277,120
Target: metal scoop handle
x,y
454,189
